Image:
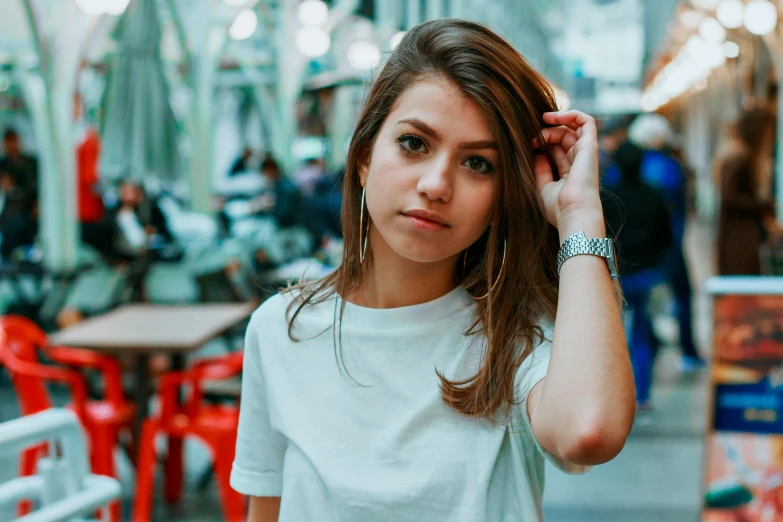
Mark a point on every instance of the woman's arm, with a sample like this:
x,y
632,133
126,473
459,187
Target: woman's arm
x,y
263,509
582,412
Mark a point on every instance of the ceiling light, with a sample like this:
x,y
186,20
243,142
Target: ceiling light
x,y
731,13
731,49
364,55
712,31
244,25
312,41
691,19
707,5
761,17
312,13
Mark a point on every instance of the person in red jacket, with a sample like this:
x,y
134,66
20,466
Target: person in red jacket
x,y
90,203
97,229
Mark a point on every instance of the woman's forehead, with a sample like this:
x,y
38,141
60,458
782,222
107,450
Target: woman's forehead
x,y
443,106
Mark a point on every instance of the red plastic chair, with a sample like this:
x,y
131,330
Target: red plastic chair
x,y
21,341
215,425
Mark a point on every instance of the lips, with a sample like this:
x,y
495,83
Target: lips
x,y
426,220
427,216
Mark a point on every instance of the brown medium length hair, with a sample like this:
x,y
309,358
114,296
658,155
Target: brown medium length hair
x,y
513,96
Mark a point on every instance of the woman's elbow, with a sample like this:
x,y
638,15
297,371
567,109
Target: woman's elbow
x,y
596,445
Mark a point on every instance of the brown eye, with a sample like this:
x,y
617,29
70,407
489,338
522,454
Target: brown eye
x,y
411,144
479,164
415,144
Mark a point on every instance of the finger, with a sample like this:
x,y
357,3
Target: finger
x,y
561,160
543,171
578,118
573,120
552,119
571,155
563,136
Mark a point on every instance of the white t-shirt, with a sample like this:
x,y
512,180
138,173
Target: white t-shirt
x,y
379,443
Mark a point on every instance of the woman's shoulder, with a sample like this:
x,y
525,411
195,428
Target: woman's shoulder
x,y
272,309
276,314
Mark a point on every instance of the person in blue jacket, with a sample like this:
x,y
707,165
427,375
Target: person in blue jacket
x,y
662,171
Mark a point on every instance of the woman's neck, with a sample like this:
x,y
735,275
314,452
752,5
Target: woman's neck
x,y
394,281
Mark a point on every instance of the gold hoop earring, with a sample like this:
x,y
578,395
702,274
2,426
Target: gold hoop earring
x,y
363,248
502,265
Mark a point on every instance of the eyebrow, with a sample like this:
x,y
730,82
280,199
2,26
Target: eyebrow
x,y
426,129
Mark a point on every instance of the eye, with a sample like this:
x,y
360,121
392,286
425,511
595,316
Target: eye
x,y
411,144
479,164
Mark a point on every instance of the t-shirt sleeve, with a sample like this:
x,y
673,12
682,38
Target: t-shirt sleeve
x,y
530,373
258,463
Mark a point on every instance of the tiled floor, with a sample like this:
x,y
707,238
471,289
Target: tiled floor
x,y
657,478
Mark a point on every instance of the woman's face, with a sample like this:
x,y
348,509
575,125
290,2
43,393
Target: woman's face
x,y
432,178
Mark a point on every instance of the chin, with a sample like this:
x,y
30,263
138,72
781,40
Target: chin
x,y
423,250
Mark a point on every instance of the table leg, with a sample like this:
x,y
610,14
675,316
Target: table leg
x,y
174,466
142,397
178,362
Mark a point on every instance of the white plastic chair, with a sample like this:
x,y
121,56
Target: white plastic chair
x,y
64,489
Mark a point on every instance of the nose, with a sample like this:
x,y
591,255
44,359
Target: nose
x,y
436,183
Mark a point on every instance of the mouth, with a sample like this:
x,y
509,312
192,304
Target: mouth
x,y
425,220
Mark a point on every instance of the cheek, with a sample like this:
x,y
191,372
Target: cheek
x,y
388,181
476,205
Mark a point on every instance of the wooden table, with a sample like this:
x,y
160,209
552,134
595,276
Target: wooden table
x,y
142,330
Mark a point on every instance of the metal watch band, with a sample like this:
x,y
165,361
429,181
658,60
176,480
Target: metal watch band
x,y
579,244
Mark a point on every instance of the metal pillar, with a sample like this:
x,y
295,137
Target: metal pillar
x,y
49,95
206,52
458,9
434,9
290,67
413,14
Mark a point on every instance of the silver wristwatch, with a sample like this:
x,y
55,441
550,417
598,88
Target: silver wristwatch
x,y
579,244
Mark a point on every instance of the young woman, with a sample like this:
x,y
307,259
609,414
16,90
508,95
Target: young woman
x,y
428,377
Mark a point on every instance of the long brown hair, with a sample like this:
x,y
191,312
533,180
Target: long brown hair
x,y
513,96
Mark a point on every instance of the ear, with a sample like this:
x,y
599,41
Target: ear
x,y
364,169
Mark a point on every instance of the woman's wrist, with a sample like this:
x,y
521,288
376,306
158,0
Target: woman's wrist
x,y
589,221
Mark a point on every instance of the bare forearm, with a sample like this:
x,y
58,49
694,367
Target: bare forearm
x,y
587,401
263,509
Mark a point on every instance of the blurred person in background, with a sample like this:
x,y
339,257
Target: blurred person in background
x,y
638,216
663,172
612,134
242,163
12,199
310,175
284,202
142,224
322,208
18,218
747,214
96,228
22,167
